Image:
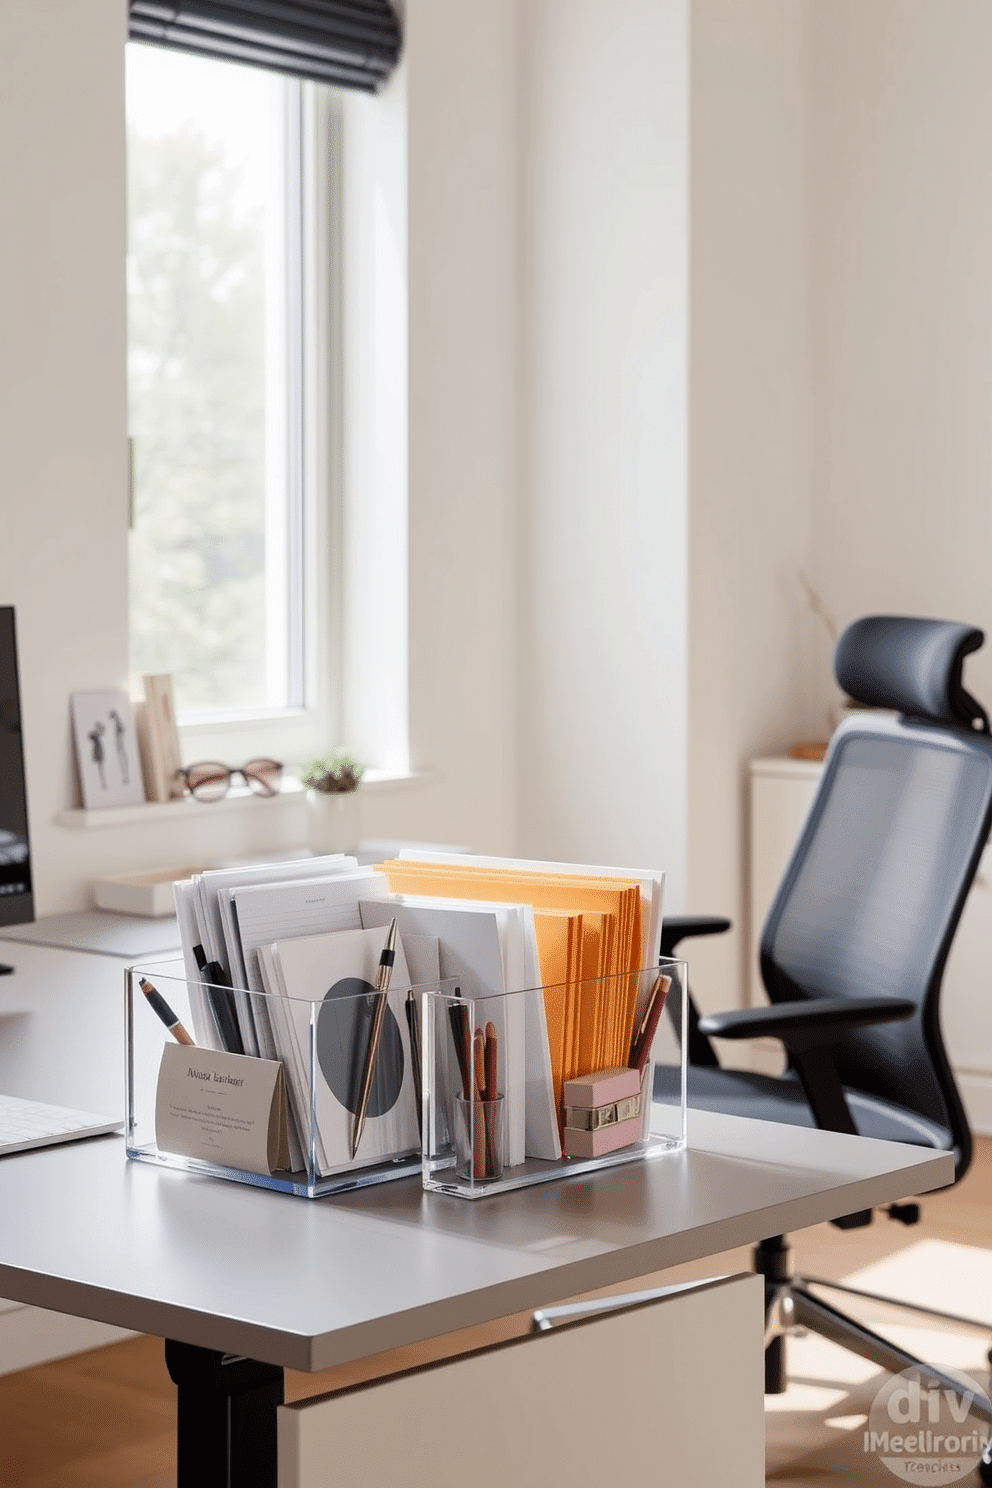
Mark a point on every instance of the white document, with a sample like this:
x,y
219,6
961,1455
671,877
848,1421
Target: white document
x,y
423,958
200,924
485,948
261,912
212,882
338,972
268,912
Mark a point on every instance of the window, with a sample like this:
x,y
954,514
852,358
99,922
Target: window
x,y
229,342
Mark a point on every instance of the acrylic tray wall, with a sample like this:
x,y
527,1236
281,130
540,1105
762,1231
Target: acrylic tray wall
x,y
459,1142
321,1034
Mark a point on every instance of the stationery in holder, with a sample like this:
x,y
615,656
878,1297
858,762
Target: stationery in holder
x,y
227,1109
602,1112
607,1114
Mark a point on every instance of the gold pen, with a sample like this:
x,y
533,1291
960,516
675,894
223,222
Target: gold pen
x,y
382,976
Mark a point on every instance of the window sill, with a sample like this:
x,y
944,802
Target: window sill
x,y
376,782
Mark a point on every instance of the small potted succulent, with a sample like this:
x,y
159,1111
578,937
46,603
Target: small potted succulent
x,y
332,783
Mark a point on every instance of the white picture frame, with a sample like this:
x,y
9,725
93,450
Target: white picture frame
x,y
106,749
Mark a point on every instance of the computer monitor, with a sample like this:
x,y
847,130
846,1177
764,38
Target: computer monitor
x,y
16,894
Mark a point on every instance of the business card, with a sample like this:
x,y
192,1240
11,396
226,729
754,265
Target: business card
x,y
225,1108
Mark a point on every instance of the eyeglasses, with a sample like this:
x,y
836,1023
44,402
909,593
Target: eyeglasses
x,y
209,781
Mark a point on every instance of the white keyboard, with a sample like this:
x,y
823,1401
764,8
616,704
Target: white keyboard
x,y
25,1123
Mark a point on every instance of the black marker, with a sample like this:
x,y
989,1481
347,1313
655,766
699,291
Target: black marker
x,y
413,1024
221,1002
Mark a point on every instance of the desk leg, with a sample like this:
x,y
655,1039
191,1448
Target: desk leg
x,y
227,1417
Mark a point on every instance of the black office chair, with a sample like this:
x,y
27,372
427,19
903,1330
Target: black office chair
x,y
855,944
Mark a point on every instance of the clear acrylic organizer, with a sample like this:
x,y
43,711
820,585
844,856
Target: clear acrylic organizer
x,y
530,1132
321,1047
470,1148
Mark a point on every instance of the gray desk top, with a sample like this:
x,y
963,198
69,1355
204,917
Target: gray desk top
x,y
313,1284
101,933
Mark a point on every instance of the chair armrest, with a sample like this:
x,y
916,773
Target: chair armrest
x,y
680,927
808,1029
807,1024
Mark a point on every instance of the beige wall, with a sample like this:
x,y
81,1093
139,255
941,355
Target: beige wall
x,y
841,370
750,634
63,461
902,496
602,739
461,67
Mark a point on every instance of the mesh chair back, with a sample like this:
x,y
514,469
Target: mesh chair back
x,y
873,894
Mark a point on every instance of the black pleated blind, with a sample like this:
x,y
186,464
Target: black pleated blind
x,y
353,43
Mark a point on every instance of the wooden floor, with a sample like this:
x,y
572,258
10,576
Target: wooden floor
x,y
108,1417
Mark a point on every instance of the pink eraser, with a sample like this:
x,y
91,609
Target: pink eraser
x,y
598,1143
602,1088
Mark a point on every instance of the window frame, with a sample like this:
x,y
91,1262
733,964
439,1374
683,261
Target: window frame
x,y
294,733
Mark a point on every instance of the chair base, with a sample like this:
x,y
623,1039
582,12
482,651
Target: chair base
x,y
790,1304
972,1325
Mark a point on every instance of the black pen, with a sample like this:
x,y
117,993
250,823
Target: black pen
x,y
216,980
413,1024
382,977
164,1011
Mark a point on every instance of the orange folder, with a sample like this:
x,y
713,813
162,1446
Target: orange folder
x,y
578,1036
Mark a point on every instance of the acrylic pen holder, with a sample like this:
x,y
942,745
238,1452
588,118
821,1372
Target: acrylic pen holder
x,y
531,1086
265,1068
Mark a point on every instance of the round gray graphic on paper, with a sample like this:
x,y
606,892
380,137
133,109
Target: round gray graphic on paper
x,y
344,1027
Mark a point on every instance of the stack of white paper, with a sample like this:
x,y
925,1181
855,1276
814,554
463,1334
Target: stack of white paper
x,y
337,971
491,950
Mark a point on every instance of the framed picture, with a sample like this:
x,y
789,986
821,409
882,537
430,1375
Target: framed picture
x,y
106,749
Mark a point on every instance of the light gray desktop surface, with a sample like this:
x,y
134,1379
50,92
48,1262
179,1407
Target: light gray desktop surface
x,y
101,932
311,1284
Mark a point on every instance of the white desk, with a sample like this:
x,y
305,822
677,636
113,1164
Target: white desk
x,y
221,1269
62,1040
249,1272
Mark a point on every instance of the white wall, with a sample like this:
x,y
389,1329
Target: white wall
x,y
461,121
902,513
841,370
63,451
751,636
602,740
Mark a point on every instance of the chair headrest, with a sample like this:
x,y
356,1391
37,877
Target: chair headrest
x,y
911,665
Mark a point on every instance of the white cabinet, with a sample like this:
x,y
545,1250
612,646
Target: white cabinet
x,y
634,1387
780,794
61,1040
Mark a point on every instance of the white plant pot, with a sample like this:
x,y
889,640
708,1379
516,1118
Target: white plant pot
x,y
332,821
